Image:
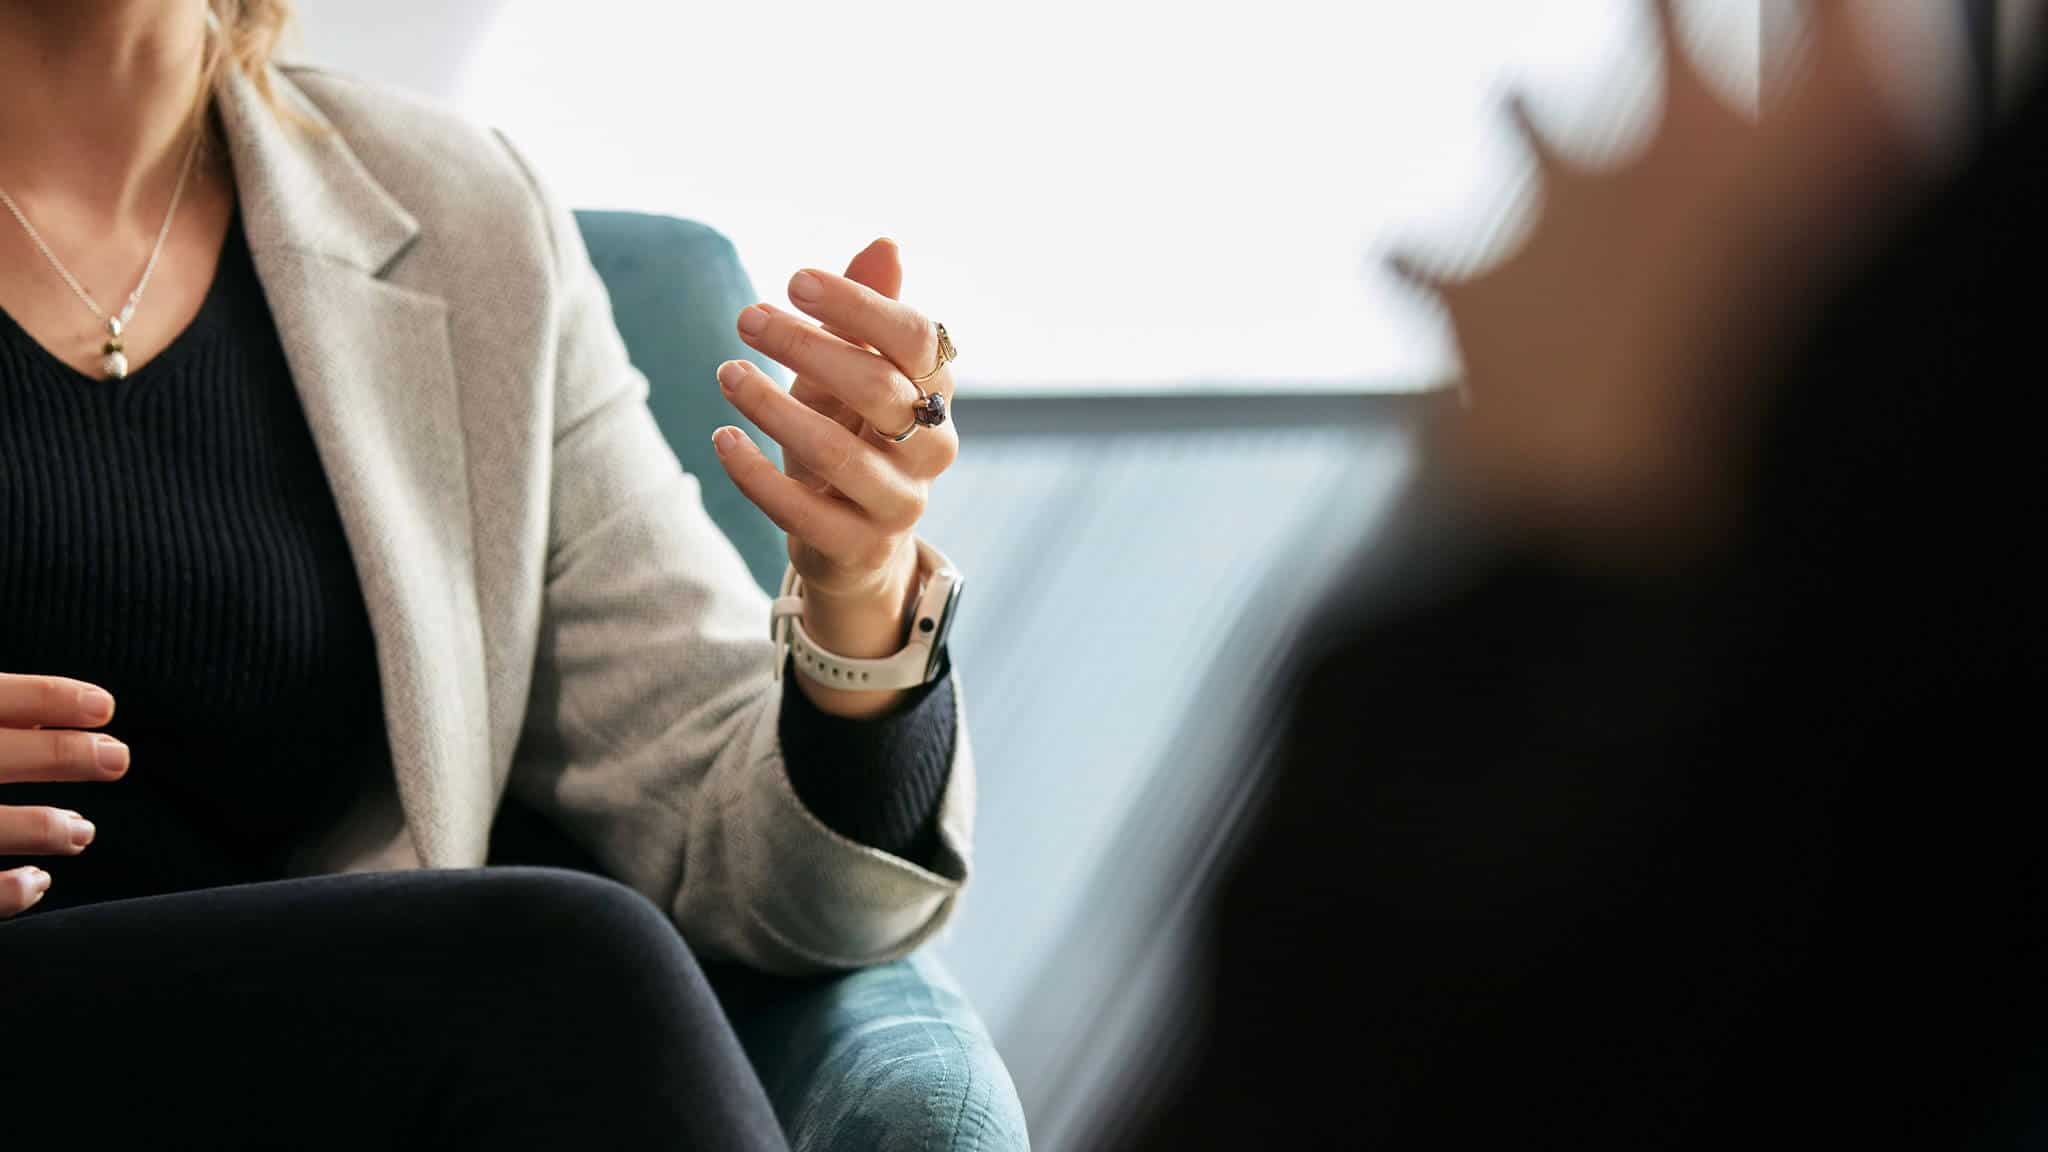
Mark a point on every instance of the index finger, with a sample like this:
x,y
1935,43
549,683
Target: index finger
x,y
52,702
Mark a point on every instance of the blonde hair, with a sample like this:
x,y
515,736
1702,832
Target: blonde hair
x,y
245,38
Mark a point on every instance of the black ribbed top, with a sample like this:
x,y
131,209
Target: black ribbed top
x,y
172,538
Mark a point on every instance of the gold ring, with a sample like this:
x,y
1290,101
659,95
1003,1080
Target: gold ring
x,y
900,437
947,355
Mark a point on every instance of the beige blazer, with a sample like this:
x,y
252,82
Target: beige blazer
x,y
554,612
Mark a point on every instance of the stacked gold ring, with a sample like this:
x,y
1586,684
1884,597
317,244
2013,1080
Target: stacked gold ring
x,y
929,409
947,354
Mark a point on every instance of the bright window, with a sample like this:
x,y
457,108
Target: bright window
x,y
1102,194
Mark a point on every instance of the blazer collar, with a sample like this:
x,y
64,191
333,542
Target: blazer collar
x,y
305,189
372,364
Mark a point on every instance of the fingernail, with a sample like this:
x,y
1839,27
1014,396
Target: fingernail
x,y
725,440
805,288
752,321
95,705
730,374
81,831
110,754
38,881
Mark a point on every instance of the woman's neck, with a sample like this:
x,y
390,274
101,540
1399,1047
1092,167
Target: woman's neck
x,y
96,97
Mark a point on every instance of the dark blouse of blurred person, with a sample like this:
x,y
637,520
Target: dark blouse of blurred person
x,y
1751,852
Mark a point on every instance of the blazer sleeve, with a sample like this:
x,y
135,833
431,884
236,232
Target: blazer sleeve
x,y
651,732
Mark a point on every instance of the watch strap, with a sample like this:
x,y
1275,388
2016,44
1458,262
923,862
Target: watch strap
x,y
907,668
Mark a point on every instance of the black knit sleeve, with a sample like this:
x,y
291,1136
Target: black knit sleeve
x,y
876,780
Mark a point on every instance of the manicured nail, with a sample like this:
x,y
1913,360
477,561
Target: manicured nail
x,y
805,288
81,831
96,706
730,374
725,440
38,881
753,321
110,754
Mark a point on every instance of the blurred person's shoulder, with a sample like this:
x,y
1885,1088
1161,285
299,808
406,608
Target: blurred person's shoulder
x,y
462,181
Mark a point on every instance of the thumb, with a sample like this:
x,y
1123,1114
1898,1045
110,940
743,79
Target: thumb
x,y
880,267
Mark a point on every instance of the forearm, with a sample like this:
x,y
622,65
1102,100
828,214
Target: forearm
x,y
871,765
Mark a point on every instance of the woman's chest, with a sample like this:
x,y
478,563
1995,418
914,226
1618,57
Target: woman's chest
x,y
172,537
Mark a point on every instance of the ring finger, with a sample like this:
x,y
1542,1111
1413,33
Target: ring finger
x,y
866,317
822,445
868,383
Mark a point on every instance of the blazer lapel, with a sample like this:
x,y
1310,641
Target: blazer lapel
x,y
374,373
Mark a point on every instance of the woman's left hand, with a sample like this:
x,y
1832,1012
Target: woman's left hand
x,y
850,500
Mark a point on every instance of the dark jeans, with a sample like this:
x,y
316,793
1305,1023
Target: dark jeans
x,y
500,1008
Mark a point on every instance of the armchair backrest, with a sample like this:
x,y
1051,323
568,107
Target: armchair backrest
x,y
676,287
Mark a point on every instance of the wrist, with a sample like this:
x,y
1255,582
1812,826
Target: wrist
x,y
865,622
902,620
867,619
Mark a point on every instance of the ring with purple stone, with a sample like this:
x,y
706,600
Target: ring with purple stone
x,y
927,411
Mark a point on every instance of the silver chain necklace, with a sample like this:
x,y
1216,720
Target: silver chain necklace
x,y
113,356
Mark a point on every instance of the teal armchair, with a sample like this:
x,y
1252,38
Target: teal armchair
x,y
891,1058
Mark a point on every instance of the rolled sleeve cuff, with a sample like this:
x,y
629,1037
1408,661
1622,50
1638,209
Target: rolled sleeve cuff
x,y
824,900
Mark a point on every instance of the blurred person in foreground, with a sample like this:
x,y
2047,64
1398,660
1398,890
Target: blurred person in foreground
x,y
1680,788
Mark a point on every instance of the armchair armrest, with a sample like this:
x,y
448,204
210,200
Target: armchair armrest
x,y
886,1059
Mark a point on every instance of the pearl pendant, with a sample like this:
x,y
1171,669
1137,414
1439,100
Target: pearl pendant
x,y
113,360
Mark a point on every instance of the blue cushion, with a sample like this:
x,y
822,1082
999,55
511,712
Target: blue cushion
x,y
891,1057
676,289
887,1059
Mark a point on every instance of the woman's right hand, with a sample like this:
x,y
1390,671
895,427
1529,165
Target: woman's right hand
x,y
39,741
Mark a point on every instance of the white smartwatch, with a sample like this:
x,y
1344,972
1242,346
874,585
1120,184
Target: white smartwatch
x,y
918,662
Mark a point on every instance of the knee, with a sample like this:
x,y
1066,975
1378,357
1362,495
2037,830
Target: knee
x,y
585,937
591,958
556,912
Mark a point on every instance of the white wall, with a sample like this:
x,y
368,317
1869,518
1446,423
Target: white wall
x,y
1090,192
425,45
